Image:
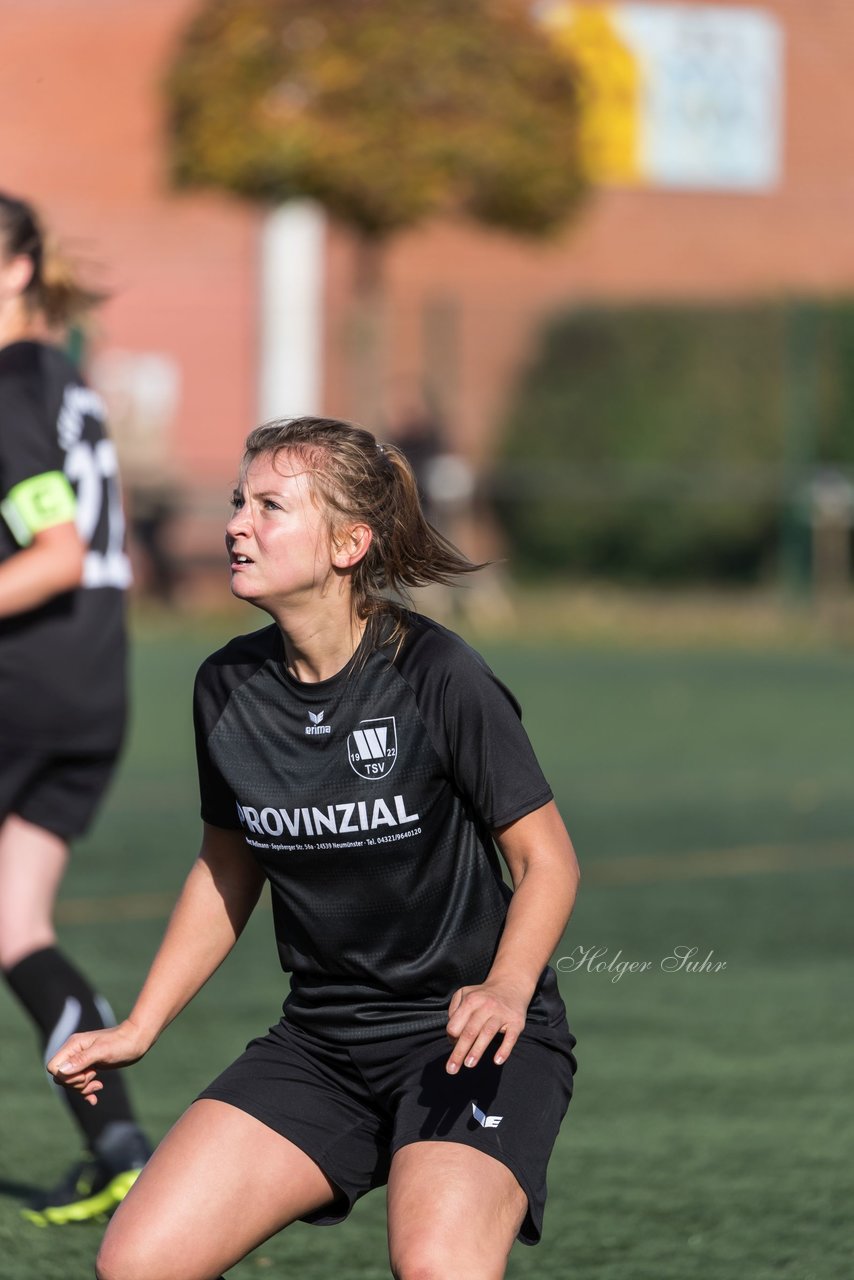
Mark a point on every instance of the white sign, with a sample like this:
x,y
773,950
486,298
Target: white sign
x,y
692,94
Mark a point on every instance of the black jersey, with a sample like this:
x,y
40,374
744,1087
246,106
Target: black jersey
x,y
62,665
368,799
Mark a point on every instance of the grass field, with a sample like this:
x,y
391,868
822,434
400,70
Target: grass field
x,y
710,798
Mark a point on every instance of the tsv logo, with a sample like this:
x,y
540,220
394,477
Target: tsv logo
x,y
372,748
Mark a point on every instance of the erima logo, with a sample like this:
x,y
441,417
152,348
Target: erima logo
x,y
317,725
488,1122
372,748
339,819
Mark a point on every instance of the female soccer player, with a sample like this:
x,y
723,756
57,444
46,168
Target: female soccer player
x,y
63,571
362,759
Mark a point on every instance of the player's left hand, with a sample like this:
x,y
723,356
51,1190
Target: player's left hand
x,y
476,1015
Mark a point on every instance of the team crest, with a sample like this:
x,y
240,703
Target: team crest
x,y
372,748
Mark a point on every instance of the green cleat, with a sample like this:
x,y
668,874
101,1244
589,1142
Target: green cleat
x,y
88,1193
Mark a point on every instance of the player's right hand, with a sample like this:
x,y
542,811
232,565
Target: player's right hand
x,y
77,1064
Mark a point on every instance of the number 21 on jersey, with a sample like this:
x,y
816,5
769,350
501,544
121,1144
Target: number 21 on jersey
x,y
93,470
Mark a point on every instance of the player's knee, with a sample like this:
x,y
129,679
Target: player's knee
x,y
111,1263
107,1265
433,1261
413,1267
124,1258
117,1262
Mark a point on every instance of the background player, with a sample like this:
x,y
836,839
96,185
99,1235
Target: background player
x,y
63,572
360,758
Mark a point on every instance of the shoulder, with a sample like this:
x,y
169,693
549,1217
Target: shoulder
x,y
434,658
243,654
427,643
29,361
22,359
34,377
235,663
28,409
21,368
60,371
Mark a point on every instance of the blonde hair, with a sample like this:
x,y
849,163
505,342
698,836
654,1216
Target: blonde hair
x,y
54,289
362,481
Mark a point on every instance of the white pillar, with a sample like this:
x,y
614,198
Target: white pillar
x,y
292,276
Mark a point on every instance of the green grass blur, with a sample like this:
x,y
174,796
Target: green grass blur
x,y
711,1129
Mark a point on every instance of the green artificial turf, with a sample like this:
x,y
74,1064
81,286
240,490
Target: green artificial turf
x,y
711,1129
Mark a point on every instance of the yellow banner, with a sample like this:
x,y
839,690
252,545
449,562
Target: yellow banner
x,y
609,90
675,95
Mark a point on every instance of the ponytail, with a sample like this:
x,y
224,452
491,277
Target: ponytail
x,y
362,481
54,289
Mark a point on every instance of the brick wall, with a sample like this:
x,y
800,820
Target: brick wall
x,y
633,244
82,136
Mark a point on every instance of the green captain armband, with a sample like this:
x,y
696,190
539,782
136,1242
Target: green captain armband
x,y
37,504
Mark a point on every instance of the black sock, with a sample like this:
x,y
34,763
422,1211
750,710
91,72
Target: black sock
x,y
60,1001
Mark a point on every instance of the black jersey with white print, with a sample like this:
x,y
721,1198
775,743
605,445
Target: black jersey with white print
x,y
62,665
369,799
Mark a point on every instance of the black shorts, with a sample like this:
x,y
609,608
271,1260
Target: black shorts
x,y
351,1107
57,792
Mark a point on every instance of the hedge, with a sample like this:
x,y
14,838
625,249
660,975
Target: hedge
x,y
668,442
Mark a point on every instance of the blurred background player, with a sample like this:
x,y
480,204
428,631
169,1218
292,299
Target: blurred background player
x,y
63,572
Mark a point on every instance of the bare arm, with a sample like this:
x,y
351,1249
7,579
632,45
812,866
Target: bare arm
x,y
51,564
218,898
542,862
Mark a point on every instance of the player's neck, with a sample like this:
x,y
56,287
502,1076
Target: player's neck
x,y
18,325
319,642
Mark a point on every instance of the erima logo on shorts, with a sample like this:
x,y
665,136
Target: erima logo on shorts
x,y
488,1122
338,819
372,748
317,725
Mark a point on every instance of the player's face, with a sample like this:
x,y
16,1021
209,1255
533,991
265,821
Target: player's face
x,y
277,539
